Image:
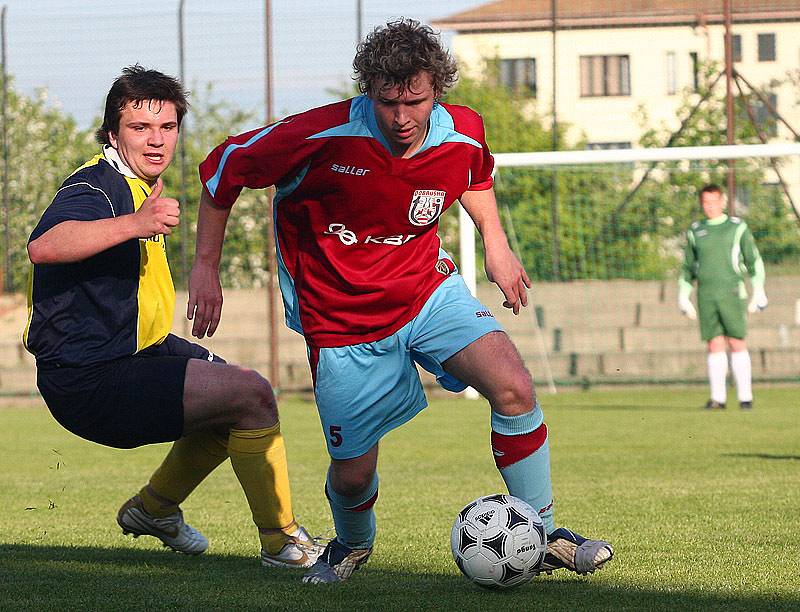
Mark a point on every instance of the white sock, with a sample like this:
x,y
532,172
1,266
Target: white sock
x,y
717,375
742,374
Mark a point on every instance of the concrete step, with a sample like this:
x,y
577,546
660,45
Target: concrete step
x,y
589,330
654,366
632,339
20,379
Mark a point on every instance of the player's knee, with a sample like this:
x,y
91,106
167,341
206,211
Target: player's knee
x,y
258,407
351,482
517,397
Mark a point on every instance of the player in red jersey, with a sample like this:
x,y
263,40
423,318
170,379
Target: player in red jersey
x,y
360,188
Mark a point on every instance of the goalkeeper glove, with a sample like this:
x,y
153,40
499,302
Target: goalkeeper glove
x,y
686,307
759,300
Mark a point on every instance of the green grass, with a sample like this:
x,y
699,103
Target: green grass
x,y
702,509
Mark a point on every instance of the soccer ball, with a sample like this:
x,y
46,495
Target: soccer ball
x,y
498,541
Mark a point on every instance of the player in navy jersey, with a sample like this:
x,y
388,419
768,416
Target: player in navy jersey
x,y
361,185
101,307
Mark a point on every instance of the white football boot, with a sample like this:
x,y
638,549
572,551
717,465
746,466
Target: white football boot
x,y
569,550
172,530
336,563
300,550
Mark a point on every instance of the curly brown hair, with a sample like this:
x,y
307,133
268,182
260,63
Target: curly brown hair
x,y
396,52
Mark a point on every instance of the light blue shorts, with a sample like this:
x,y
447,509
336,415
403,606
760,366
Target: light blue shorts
x,y
365,390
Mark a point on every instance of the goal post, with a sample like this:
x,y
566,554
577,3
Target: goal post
x,y
608,156
619,216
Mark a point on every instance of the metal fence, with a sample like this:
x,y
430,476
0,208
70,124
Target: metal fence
x,y
594,67
609,73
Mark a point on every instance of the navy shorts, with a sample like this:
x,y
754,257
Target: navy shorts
x,y
127,402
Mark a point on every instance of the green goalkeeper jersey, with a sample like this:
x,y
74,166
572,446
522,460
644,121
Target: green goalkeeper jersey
x,y
719,252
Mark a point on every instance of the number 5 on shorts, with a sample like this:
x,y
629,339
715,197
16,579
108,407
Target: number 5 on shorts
x,y
336,437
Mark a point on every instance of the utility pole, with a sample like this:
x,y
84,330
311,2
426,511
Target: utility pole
x,y
730,129
182,159
554,217
6,280
359,20
274,363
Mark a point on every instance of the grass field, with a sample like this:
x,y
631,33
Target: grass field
x,y
703,510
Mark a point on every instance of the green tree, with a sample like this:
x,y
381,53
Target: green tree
x,y
243,264
604,226
512,125
44,146
583,247
672,192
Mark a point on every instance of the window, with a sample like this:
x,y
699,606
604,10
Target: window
x,y
519,75
744,196
736,47
764,119
770,197
606,146
766,47
695,70
605,75
672,73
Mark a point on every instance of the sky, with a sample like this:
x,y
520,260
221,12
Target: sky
x,y
74,49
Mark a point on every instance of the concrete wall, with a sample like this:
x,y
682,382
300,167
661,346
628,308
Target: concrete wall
x,y
602,331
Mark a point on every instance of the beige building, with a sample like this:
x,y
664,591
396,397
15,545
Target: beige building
x,y
615,56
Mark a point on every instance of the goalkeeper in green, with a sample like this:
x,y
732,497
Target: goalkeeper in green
x,y
719,251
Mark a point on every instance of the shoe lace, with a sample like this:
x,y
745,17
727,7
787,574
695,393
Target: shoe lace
x,y
312,542
172,522
320,540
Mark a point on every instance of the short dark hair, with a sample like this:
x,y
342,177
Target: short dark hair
x,y
137,84
396,52
711,188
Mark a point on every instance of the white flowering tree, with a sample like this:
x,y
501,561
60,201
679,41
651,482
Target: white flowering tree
x,y
42,147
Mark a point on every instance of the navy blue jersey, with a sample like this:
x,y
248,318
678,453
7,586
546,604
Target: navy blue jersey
x,y
112,304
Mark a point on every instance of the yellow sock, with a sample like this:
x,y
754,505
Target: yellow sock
x,y
258,457
188,462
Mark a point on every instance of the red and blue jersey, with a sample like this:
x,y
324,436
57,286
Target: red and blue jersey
x,y
358,251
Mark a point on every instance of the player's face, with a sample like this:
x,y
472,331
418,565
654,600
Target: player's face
x,y
148,133
403,115
713,204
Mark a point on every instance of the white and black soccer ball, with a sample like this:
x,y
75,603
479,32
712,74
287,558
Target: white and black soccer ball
x,y
498,541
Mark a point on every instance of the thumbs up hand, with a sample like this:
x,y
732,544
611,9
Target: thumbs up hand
x,y
157,215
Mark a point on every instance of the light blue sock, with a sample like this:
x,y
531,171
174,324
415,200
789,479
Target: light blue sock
x,y
354,517
522,455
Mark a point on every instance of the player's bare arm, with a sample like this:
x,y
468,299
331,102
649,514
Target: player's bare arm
x,y
72,241
502,266
205,291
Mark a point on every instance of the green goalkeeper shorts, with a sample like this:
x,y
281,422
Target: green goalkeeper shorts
x,y
722,314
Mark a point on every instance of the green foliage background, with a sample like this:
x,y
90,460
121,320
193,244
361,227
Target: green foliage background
x,y
573,223
44,146
601,228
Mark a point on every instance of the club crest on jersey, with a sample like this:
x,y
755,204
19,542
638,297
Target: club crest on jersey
x,y
426,206
445,266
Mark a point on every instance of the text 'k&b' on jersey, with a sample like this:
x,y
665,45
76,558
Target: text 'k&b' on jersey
x,y
112,304
356,227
